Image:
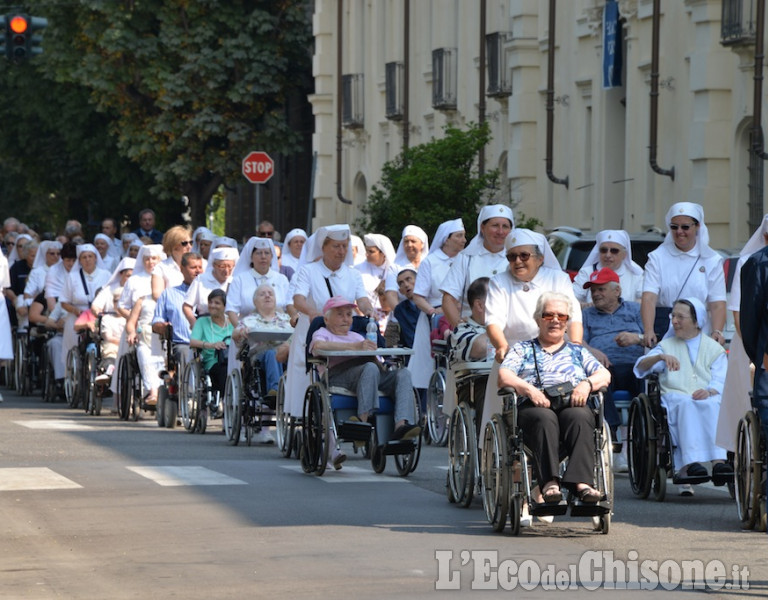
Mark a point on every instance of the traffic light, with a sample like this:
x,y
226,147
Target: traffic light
x,y
21,42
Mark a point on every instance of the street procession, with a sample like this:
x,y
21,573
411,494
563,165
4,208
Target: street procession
x,y
369,299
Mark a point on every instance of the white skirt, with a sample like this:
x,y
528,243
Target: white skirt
x,y
735,403
421,364
297,379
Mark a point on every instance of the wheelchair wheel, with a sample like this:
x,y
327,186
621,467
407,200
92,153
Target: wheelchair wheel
x,y
316,419
124,387
89,401
71,378
21,364
171,409
188,395
284,426
604,478
641,447
136,393
49,377
378,458
495,473
232,418
205,395
162,398
461,462
659,485
746,467
437,421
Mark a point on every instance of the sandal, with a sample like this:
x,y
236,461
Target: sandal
x,y
588,495
552,493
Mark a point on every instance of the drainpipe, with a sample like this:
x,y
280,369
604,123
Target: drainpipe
x,y
406,69
481,91
655,95
757,110
551,96
339,97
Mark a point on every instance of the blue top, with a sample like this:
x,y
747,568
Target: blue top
x,y
570,362
168,310
600,329
407,314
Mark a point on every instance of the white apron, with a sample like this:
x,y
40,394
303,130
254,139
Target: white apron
x,y
297,379
421,364
735,403
692,428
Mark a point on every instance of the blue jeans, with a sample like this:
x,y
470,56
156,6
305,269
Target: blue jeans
x,y
760,402
273,370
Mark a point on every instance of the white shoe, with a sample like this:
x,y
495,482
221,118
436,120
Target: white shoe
x,y
620,463
548,519
103,378
263,437
686,490
525,518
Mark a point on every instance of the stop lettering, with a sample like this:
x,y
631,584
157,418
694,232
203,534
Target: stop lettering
x,y
258,167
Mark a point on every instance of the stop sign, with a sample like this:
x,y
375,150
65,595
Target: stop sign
x,y
258,167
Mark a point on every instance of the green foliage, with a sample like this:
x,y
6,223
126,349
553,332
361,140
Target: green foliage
x,y
431,183
525,222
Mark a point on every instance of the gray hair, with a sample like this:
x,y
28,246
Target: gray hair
x,y
547,297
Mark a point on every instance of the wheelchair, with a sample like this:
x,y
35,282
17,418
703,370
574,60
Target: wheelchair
x,y
81,359
167,409
750,473
130,387
649,446
463,435
247,407
94,391
327,413
508,479
437,421
286,426
30,346
198,401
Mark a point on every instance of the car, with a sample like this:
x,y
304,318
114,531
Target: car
x,y
572,246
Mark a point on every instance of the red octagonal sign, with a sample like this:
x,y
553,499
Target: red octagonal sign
x,y
258,167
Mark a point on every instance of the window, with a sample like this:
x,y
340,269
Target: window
x,y
738,22
352,113
499,82
444,74
393,72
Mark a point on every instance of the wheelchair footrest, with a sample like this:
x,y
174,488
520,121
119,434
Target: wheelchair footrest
x,y
690,480
543,509
355,431
587,509
399,447
721,480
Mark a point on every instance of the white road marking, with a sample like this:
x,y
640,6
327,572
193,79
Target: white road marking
x,y
351,475
55,424
176,476
33,478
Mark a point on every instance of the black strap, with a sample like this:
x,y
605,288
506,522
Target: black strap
x,y
686,278
328,283
85,286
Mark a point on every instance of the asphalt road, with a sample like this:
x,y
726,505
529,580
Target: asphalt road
x,y
92,507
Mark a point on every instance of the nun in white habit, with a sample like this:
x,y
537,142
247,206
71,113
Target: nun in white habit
x,y
378,268
691,368
612,249
413,248
738,380
6,342
292,245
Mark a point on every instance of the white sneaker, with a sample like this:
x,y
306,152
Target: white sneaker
x,y
548,519
525,517
620,463
264,437
686,490
103,378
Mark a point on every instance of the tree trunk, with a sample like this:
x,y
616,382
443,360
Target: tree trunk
x,y
199,194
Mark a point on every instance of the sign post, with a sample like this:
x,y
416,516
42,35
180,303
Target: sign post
x,y
258,168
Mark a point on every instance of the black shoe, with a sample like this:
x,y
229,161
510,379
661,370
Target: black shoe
x,y
723,469
406,432
696,470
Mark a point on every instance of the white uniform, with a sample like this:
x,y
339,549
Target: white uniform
x,y
200,289
510,305
466,268
170,272
310,282
54,280
243,286
372,276
6,342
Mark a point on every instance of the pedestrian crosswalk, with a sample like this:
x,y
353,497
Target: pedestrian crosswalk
x,y
33,478
177,476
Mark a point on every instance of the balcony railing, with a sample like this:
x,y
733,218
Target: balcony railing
x,y
738,22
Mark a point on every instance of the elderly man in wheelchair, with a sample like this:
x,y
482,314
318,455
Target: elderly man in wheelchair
x,y
366,376
552,410
691,371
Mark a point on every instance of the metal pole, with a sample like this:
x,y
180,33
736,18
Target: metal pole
x,y
551,97
655,94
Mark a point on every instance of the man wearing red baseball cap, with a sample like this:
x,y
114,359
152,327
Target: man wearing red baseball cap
x,y
613,332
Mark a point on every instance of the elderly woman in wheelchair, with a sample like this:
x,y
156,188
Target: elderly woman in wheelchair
x,y
364,375
553,380
691,371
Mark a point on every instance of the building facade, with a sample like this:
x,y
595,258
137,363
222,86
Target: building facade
x,y
391,73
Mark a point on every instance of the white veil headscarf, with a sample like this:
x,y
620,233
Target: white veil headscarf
x,y
205,234
695,211
88,248
42,250
243,263
444,230
292,234
125,263
14,255
487,212
383,243
400,258
313,247
147,250
702,319
225,241
526,237
617,236
223,253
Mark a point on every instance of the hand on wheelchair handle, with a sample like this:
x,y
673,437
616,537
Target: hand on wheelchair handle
x,y
500,354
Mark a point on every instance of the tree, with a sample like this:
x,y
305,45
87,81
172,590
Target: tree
x,y
431,183
187,87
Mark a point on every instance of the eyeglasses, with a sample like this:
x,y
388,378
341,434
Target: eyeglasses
x,y
187,243
678,316
604,250
550,316
675,227
523,256
10,244
266,233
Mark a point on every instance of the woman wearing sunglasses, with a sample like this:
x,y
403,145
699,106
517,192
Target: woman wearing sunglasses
x,y
613,250
683,266
176,242
537,364
512,296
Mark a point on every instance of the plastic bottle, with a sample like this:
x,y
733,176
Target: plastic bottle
x,y
372,331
